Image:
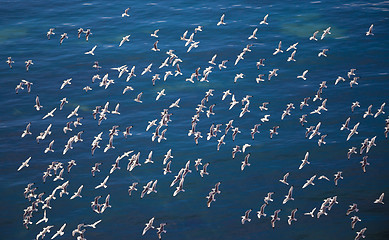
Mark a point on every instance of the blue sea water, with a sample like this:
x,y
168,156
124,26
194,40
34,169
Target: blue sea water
x,y
23,27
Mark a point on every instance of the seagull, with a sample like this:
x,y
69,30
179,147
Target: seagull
x,y
198,29
360,234
66,82
161,230
264,20
245,162
147,69
221,22
292,216
175,104
302,76
148,226
148,159
351,151
50,114
253,35
380,111
368,112
291,58
268,198
154,34
125,14
310,213
285,179
309,181
338,176
353,131
24,164
339,79
369,33
322,53
50,147
37,105
354,221
50,32
265,118
137,99
74,112
103,184
91,52
261,212
212,61
246,217
354,105
44,219
27,131
293,46
204,170
345,125
233,102
222,65
78,193
272,73
304,161
275,218
289,196
237,76
325,32
380,199
125,39
278,49
60,232
63,36
93,225
313,37
155,47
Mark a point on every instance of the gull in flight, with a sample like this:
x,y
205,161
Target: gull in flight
x,y
91,52
325,32
24,164
148,226
154,34
264,21
302,76
221,22
66,82
313,37
304,161
310,213
369,33
246,216
254,33
37,105
380,199
27,131
125,39
50,114
78,193
44,219
60,232
155,47
103,184
125,14
293,46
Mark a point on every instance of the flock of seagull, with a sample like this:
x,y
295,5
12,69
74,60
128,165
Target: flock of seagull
x,y
100,113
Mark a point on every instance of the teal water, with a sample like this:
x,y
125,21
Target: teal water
x,y
23,27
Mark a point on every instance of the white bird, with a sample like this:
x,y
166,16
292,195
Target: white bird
x,y
291,58
155,47
264,21
78,193
91,52
309,181
322,53
369,33
302,76
304,161
160,94
27,131
74,112
313,37
353,131
103,184
125,14
284,179
50,114
212,61
278,49
175,104
137,99
147,69
148,226
253,34
24,164
289,196
265,118
292,216
44,219
37,105
154,34
380,199
310,213
293,46
245,146
66,82
221,22
50,147
93,225
125,39
325,32
60,232
246,216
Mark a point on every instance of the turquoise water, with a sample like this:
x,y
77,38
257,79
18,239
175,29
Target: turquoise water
x,y
23,27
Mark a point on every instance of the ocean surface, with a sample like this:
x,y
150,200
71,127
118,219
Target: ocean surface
x,y
23,28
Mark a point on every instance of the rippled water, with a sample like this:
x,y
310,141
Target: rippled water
x,y
23,27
